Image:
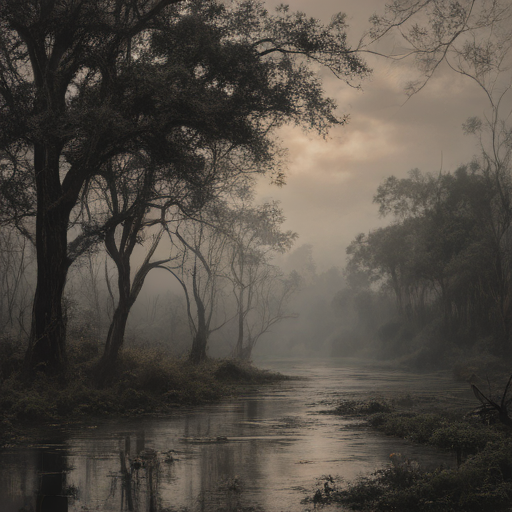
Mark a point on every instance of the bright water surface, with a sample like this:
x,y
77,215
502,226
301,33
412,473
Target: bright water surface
x,y
263,451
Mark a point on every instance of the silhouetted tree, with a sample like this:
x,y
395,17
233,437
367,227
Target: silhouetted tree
x,y
199,266
85,82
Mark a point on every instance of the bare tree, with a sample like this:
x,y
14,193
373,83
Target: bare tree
x,y
199,266
273,291
254,234
16,269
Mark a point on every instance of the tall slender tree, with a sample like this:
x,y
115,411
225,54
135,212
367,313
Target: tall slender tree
x,y
199,267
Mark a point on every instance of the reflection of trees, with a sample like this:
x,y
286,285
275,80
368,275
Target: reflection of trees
x,y
126,475
139,476
51,493
228,470
219,485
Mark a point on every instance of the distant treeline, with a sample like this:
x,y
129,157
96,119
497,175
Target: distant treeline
x,y
445,259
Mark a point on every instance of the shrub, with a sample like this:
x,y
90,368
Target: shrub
x,y
462,438
416,427
363,407
143,381
483,483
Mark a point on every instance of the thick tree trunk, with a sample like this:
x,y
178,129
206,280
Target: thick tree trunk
x,y
47,350
199,343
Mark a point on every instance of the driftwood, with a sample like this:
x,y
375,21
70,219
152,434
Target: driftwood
x,y
489,404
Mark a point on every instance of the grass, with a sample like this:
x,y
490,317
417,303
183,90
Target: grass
x,y
482,483
145,381
482,480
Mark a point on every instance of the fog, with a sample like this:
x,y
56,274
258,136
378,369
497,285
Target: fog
x,y
331,183
327,201
237,264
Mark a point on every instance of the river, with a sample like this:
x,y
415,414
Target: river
x,y
262,451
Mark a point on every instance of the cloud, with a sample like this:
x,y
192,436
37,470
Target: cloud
x,y
330,184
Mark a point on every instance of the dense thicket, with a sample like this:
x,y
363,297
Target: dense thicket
x,y
447,256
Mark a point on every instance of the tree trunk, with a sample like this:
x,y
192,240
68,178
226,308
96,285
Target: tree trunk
x,y
128,293
115,339
198,352
238,352
115,336
246,352
47,350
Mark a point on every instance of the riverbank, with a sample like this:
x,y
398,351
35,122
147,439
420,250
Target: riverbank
x,y
145,381
479,481
271,442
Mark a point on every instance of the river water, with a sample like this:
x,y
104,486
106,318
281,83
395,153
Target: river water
x,y
263,451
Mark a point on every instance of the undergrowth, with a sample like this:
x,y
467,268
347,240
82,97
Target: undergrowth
x,y
482,480
144,381
482,483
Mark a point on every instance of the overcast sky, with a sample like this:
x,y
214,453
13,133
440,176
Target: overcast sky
x,y
330,184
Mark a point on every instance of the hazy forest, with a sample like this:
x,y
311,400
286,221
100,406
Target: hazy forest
x,y
139,270
118,161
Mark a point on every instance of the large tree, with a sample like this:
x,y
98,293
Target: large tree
x,y
85,81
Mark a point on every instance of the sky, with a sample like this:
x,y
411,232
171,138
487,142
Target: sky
x,y
330,184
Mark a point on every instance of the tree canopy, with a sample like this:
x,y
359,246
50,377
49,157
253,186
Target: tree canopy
x,y
447,253
87,82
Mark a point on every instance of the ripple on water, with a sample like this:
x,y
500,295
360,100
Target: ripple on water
x,y
262,451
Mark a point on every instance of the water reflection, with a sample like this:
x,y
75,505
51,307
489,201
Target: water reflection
x,y
52,495
136,485
261,452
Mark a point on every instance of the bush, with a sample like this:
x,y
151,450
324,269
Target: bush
x,y
462,438
483,483
363,407
416,427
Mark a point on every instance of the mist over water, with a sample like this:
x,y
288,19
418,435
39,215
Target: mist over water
x,y
147,255
265,449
